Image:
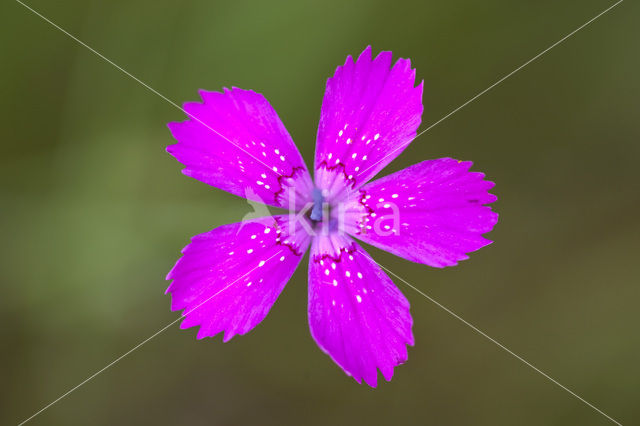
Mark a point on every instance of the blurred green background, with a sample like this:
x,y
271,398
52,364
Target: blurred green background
x,y
94,212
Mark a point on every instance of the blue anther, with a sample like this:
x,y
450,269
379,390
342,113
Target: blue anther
x,y
318,201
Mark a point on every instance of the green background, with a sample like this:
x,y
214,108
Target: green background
x,y
94,212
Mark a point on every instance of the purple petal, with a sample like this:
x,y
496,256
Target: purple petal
x,y
356,314
228,278
433,212
235,141
370,113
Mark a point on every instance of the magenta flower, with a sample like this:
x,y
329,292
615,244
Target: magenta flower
x,y
433,213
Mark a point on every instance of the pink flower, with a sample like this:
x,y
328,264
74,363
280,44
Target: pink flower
x,y
433,213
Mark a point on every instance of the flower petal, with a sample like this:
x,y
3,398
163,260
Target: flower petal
x,y
356,314
433,212
235,141
370,113
228,278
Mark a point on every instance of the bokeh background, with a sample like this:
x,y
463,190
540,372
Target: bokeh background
x,y
94,212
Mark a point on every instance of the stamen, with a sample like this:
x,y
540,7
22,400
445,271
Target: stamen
x,y
318,201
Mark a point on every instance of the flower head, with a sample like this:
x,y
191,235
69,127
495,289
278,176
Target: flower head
x,y
434,212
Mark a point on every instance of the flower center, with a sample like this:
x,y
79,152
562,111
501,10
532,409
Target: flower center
x,y
318,202
321,214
